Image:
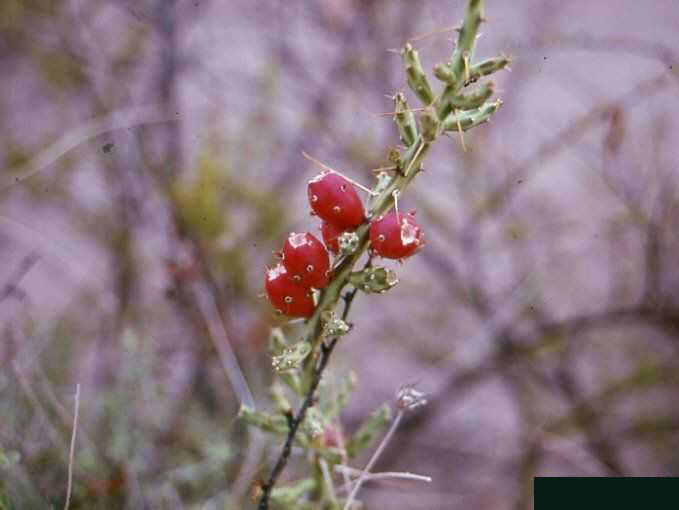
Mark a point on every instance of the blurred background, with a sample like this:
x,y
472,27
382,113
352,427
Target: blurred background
x,y
151,161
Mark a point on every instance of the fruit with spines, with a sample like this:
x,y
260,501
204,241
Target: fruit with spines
x,y
395,235
335,200
330,234
306,260
286,295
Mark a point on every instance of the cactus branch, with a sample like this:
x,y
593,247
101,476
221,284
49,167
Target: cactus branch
x,y
466,39
474,99
451,110
464,121
486,67
417,79
405,120
295,422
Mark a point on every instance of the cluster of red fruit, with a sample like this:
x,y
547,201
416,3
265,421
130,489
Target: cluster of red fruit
x,y
305,262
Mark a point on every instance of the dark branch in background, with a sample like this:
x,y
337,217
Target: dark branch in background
x,y
588,420
11,286
514,350
296,421
502,195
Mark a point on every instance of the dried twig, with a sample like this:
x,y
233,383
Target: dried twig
x,y
121,119
220,339
71,453
408,399
398,475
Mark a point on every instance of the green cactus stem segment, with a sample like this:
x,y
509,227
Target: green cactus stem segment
x,y
486,67
444,73
288,496
333,407
312,425
469,119
458,71
291,357
374,279
466,39
405,120
333,326
466,101
332,454
368,432
276,423
383,181
430,129
278,345
280,400
347,242
416,77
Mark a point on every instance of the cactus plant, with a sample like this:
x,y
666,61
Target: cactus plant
x,y
351,229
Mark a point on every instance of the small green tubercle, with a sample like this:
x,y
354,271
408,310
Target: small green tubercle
x,y
374,279
333,326
405,120
291,357
348,242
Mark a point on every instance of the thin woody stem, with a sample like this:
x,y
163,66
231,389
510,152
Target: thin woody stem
x,y
296,421
373,460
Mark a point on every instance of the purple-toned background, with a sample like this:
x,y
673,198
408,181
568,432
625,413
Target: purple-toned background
x,y
152,160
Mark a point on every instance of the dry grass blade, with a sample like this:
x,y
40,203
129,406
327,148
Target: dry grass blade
x,y
71,453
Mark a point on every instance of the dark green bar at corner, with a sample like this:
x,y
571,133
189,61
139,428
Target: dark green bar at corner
x,y
579,493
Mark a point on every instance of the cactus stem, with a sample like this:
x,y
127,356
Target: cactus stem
x,y
416,77
468,119
465,58
405,120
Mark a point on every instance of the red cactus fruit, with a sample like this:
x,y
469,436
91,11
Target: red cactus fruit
x,y
330,234
335,200
395,235
286,295
306,260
